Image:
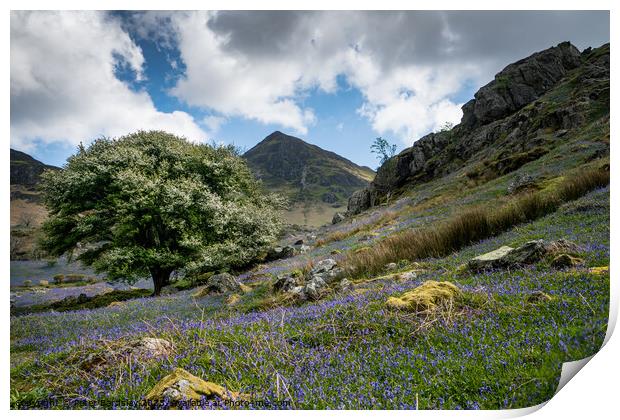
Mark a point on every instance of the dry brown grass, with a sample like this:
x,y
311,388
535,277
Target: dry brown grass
x,y
340,235
471,226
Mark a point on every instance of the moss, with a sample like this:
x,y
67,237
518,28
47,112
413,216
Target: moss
x,y
182,385
426,297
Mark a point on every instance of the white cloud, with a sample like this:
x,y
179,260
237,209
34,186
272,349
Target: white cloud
x,y
63,83
266,80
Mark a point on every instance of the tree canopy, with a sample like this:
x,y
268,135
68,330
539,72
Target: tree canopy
x,y
150,203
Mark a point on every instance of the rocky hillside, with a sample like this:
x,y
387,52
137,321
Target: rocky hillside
x,y
27,211
316,181
529,109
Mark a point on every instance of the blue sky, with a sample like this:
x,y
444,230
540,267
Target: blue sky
x,y
235,77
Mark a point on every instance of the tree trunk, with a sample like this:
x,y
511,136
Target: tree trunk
x,y
161,278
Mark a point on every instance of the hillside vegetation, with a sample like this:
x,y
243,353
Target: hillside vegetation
x,y
464,275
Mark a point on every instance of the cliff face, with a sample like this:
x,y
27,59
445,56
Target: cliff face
x,y
529,107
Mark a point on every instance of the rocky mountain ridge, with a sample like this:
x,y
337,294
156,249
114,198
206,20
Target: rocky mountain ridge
x,y
313,179
516,118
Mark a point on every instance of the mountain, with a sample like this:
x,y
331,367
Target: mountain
x,y
556,98
316,181
27,211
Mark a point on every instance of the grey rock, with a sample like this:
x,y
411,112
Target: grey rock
x,y
520,83
391,266
490,259
323,266
222,283
521,182
338,217
286,282
280,252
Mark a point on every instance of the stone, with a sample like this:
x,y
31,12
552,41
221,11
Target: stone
x,y
338,217
120,351
345,285
425,298
562,246
314,287
490,259
566,261
181,385
529,253
359,201
520,183
117,304
324,266
303,249
280,252
391,266
538,297
286,282
44,283
222,283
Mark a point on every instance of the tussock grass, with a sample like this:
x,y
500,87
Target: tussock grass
x,y
472,225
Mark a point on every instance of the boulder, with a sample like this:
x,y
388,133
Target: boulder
x,y
314,288
222,283
566,261
324,266
529,253
345,285
520,183
490,259
359,201
113,352
338,217
286,282
410,275
562,246
44,283
427,297
181,385
280,252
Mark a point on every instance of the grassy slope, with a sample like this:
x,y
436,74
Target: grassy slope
x,y
349,351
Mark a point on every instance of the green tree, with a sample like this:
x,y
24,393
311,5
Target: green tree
x,y
151,203
383,149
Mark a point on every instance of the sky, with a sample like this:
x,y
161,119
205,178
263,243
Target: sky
x,y
334,79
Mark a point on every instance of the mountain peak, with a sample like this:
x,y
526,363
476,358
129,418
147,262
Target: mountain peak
x,y
315,180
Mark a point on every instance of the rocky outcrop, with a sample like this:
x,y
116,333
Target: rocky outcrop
x,y
506,125
519,84
219,284
529,253
324,275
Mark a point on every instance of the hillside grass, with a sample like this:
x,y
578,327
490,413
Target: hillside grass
x,y
347,351
471,225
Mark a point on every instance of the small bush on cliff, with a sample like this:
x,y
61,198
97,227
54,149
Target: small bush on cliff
x,y
151,203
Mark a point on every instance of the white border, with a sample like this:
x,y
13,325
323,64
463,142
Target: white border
x,y
593,393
